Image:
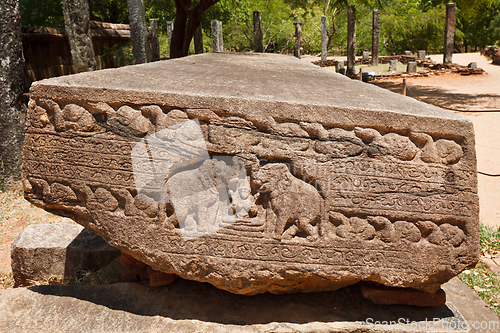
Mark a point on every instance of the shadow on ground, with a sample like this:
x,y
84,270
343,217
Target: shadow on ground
x,y
200,301
444,98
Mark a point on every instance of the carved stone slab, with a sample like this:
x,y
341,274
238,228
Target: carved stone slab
x,y
257,172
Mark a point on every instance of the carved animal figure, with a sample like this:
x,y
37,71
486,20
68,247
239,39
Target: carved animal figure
x,y
296,203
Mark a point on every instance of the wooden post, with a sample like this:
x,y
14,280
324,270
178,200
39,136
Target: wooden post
x,y
375,36
198,40
449,33
298,40
351,41
155,43
138,31
324,39
12,109
258,44
77,24
404,87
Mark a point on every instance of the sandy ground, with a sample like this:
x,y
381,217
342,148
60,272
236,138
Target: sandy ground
x,y
480,92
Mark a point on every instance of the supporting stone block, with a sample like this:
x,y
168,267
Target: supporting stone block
x,y
421,54
407,52
46,252
384,295
366,54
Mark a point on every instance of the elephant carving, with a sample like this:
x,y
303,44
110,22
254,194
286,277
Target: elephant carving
x,y
297,204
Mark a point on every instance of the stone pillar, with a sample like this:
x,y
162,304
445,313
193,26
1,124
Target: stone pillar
x,y
393,65
298,40
421,54
339,67
411,67
12,110
258,45
155,43
324,38
375,36
138,31
170,29
217,42
449,33
198,40
351,40
77,24
366,54
407,52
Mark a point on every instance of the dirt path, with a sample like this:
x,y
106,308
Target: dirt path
x,y
469,93
479,92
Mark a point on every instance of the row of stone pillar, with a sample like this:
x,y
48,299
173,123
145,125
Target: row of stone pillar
x,y
351,36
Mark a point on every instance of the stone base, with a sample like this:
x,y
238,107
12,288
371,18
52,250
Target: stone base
x,y
52,253
188,306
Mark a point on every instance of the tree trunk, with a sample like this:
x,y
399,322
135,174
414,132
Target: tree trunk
x,y
187,19
77,24
12,110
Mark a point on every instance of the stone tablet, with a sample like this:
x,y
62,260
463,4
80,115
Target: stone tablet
x,y
257,172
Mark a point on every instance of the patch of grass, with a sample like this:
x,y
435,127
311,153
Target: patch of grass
x,y
484,281
489,240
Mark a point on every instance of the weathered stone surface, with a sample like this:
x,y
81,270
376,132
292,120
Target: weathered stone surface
x,y
77,24
276,189
56,251
189,306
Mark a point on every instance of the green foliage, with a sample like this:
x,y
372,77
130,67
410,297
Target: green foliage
x,y
41,13
485,283
114,11
416,30
405,24
121,53
489,240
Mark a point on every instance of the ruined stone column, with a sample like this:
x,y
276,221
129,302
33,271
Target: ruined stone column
x,y
77,24
170,29
138,31
449,33
155,43
258,45
217,42
298,40
351,40
324,38
198,40
12,111
375,36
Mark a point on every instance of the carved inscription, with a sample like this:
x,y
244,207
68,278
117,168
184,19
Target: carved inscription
x,y
265,189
